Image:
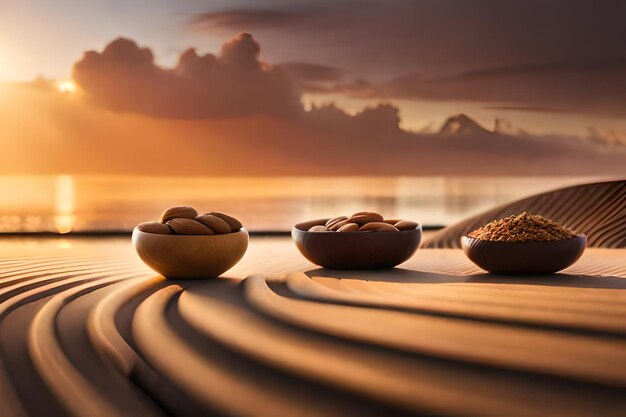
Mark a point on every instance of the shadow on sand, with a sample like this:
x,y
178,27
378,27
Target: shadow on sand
x,y
407,276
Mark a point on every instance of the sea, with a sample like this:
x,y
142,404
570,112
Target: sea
x,y
66,203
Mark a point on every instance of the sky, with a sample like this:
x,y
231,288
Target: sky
x,y
535,68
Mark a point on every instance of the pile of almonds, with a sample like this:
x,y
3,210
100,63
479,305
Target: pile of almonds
x,y
523,228
364,221
184,220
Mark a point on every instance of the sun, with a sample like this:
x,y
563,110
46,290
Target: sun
x,y
66,86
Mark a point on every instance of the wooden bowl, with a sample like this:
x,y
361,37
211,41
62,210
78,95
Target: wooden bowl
x,y
355,250
190,256
516,258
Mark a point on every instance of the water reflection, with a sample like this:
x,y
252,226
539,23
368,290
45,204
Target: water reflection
x,y
65,203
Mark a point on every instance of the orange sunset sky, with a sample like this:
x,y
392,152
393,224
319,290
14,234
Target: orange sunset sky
x,y
431,87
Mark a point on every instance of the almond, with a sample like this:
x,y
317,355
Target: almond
x,y
335,220
185,212
363,212
364,217
378,227
392,221
184,226
405,225
338,224
214,223
234,224
318,228
155,227
349,227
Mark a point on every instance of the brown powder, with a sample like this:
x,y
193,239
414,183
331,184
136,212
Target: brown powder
x,y
523,228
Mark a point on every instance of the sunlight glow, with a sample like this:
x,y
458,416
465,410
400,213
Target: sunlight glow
x,y
64,204
66,86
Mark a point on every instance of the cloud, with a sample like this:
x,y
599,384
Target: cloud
x,y
124,77
48,132
591,87
229,20
430,36
316,78
531,56
306,71
210,110
605,137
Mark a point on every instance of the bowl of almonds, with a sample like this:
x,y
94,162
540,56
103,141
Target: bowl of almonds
x,y
523,244
364,240
185,245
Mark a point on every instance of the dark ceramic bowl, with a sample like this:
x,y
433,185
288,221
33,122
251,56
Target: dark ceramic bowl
x,y
516,258
355,250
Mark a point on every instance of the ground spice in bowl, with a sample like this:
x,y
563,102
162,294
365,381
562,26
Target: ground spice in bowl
x,y
523,228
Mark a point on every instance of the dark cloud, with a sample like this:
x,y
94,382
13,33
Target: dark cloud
x,y
358,88
316,78
590,87
532,55
229,20
431,37
124,77
527,108
305,71
382,119
547,68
